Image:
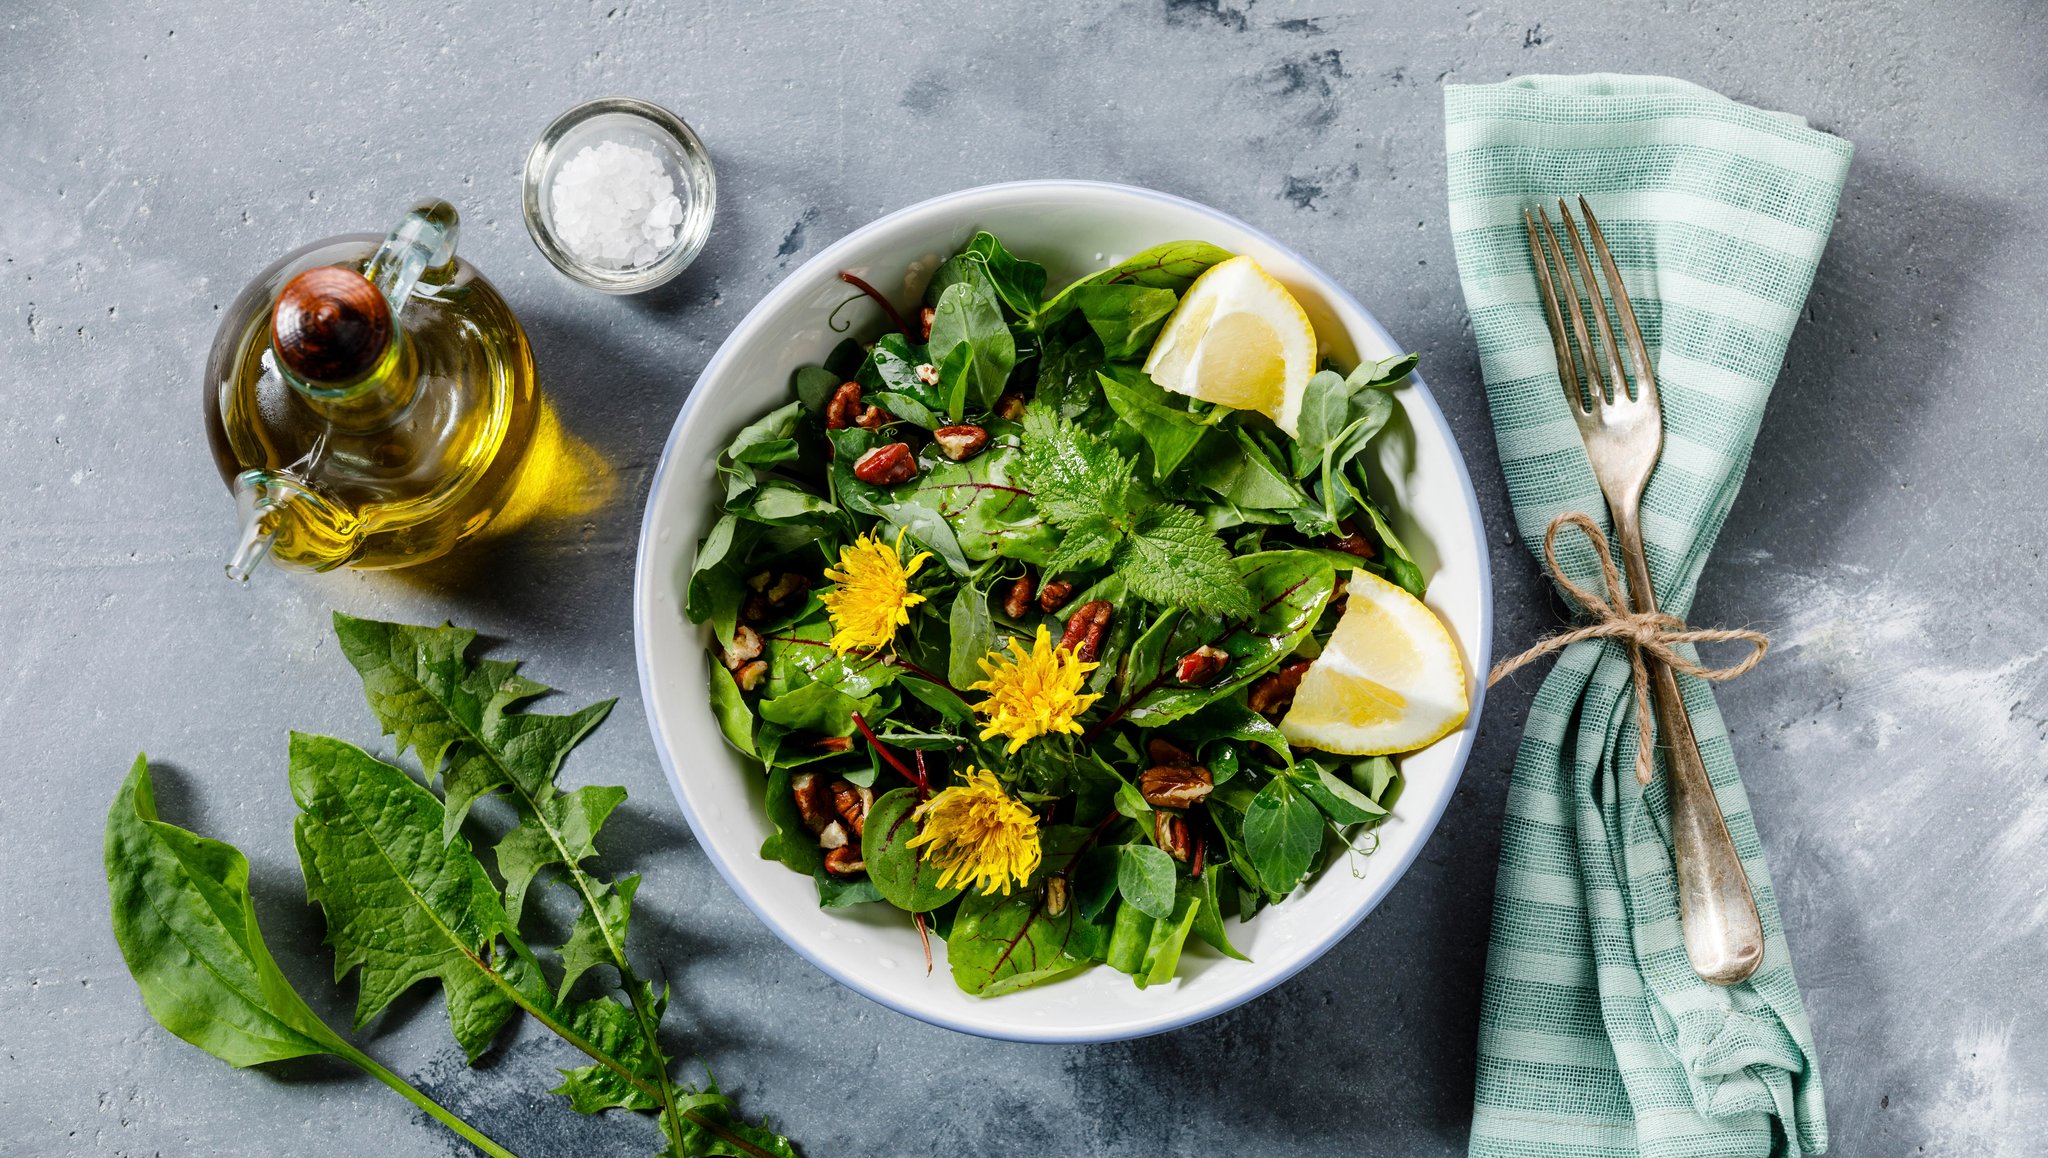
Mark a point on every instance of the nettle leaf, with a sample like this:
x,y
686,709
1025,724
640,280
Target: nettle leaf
x,y
458,715
403,903
1088,544
186,924
967,315
1288,590
1283,831
1074,476
1173,559
1145,876
898,872
1001,943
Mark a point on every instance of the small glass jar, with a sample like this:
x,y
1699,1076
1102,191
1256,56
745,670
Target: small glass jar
x,y
641,125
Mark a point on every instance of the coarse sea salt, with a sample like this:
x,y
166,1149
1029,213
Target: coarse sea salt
x,y
614,204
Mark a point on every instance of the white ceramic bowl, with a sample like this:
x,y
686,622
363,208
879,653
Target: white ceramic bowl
x,y
1072,227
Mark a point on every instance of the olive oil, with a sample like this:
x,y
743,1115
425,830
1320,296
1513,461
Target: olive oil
x,y
371,405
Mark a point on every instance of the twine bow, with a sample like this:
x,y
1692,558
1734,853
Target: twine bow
x,y
1651,632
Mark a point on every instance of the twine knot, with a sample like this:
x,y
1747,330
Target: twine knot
x,y
1651,633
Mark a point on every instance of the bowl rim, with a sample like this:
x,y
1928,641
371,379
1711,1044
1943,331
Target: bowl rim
x,y
1467,736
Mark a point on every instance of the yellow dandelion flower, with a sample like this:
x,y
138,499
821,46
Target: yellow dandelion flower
x,y
977,834
1035,693
873,596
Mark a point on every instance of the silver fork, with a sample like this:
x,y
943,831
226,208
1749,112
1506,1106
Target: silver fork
x,y
1624,435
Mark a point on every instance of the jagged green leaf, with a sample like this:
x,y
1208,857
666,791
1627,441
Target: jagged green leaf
x,y
402,904
574,817
610,1025
599,935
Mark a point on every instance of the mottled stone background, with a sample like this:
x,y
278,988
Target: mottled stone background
x,y
157,154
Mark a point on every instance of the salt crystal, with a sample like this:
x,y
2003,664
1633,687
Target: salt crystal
x,y
614,204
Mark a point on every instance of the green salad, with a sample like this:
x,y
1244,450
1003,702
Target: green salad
x,y
1012,629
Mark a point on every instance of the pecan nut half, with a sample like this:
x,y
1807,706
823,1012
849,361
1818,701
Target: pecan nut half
x,y
925,317
1201,666
1273,694
874,418
1175,785
1017,598
962,442
1010,406
844,406
1054,595
852,802
813,800
1055,896
1171,828
845,861
885,466
1086,628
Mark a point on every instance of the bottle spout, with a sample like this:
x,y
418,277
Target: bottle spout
x,y
259,534
293,525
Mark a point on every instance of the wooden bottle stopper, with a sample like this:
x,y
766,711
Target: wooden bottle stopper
x,y
330,324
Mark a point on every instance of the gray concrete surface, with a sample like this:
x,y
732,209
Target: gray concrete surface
x,y
1891,535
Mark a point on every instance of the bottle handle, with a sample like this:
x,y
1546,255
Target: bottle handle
x,y
422,242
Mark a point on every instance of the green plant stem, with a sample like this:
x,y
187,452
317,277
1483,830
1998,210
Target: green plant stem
x,y
411,1093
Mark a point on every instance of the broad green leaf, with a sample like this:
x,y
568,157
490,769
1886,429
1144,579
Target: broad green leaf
x,y
1067,369
1002,943
735,718
908,409
186,925
715,589
972,630
1283,831
1174,266
1093,880
1232,719
1168,430
782,502
791,843
1288,588
1147,947
815,386
768,440
898,872
1401,566
1019,283
816,707
967,315
1209,915
1385,374
1241,473
403,903
1125,317
1144,875
1173,559
892,367
927,529
989,510
1340,801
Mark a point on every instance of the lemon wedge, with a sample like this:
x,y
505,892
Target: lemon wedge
x,y
1238,339
1389,681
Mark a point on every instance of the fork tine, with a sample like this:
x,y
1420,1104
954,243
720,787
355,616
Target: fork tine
x,y
1611,345
1567,370
1646,378
1596,386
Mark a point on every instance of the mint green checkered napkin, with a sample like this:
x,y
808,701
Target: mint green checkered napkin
x,y
1596,1037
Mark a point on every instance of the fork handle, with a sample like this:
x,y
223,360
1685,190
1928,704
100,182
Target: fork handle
x,y
1724,937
